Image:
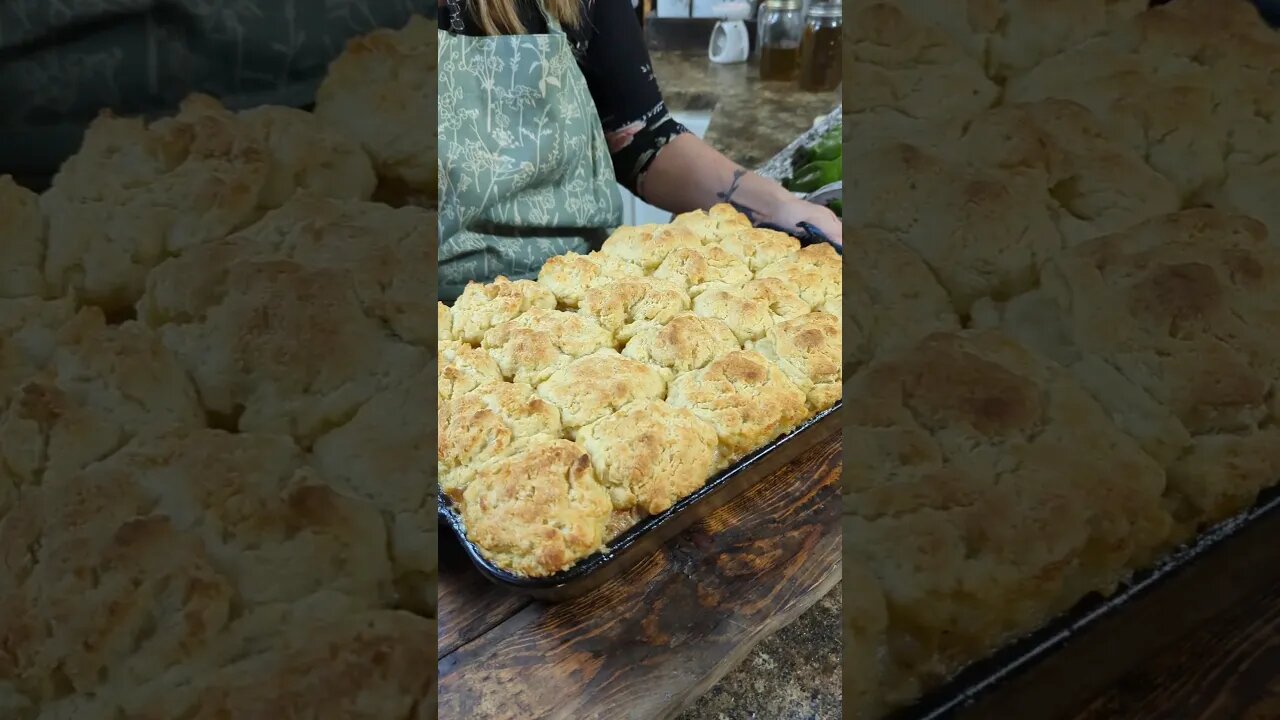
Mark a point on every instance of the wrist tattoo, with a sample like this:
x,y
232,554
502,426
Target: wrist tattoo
x,y
727,197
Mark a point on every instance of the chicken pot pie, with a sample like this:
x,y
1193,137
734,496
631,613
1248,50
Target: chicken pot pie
x,y
653,364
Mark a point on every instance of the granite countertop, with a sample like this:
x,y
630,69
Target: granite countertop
x,y
794,674
751,119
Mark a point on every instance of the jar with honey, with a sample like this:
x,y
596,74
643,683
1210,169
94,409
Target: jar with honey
x,y
781,29
820,48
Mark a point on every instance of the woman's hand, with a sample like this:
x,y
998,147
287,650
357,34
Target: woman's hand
x,y
789,213
689,174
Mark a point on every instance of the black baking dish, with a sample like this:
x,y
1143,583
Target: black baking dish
x,y
646,536
987,675
649,534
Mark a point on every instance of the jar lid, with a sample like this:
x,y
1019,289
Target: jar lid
x,y
784,4
825,10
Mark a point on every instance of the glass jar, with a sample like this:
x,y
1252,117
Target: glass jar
x,y
781,28
820,48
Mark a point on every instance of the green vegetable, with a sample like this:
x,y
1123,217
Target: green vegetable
x,y
815,175
837,207
801,157
828,147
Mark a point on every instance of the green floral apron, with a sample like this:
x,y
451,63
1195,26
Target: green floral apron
x,y
525,172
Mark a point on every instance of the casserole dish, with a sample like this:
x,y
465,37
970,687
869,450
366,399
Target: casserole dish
x,y
636,542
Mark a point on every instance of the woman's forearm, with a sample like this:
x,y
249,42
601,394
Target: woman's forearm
x,y
689,174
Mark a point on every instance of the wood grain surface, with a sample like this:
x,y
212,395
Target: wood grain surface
x,y
1204,644
647,643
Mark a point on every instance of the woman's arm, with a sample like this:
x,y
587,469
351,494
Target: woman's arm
x,y
653,155
689,174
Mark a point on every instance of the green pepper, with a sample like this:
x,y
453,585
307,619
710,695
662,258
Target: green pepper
x,y
828,147
815,175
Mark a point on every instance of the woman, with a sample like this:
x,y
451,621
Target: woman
x,y
543,103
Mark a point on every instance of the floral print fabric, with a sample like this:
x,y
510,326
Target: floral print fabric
x,y
610,51
525,172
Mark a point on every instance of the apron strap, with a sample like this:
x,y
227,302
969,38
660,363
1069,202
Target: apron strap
x,y
553,25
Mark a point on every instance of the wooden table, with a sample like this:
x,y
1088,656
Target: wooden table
x,y
646,644
1204,644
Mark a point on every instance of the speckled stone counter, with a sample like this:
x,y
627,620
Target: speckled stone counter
x,y
794,674
751,119
791,675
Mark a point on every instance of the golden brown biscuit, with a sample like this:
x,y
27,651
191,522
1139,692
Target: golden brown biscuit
x,y
530,348
297,657
1169,326
746,398
783,302
625,306
271,508
155,575
1172,123
29,328
486,305
649,454
758,247
909,67
648,245
596,385
538,511
444,323
485,424
1251,111
687,342
894,297
752,309
101,385
22,241
384,251
136,193
177,533
307,155
461,369
988,492
305,665
693,270
1186,85
712,225
377,91
571,275
288,349
981,231
1011,36
382,456
1097,184
865,620
1246,190
813,273
807,350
